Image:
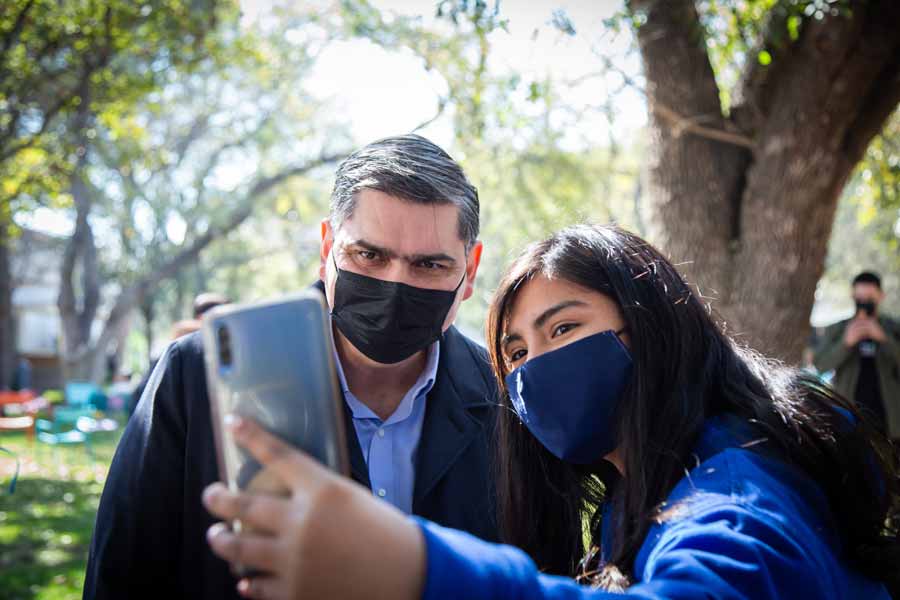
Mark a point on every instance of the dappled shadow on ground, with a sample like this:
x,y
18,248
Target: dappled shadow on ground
x,y
45,531
46,524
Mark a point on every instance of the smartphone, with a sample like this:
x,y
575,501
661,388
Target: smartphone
x,y
274,362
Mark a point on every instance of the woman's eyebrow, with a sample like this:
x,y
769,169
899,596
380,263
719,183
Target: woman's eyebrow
x,y
544,316
508,339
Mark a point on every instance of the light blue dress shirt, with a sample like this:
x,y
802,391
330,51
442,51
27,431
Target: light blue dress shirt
x,y
389,446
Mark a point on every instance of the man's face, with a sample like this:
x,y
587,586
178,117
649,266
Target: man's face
x,y
395,240
867,293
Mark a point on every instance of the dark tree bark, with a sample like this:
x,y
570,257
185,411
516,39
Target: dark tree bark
x,y
78,310
750,198
147,311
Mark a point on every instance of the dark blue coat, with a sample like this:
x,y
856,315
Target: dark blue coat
x,y
150,536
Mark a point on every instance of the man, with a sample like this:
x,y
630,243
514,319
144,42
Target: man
x,y
206,301
399,254
864,353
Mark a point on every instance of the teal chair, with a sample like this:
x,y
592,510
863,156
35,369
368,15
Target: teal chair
x,y
70,426
85,394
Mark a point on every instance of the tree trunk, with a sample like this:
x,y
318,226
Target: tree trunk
x,y
78,304
7,329
750,198
147,313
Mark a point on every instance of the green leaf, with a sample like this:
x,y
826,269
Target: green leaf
x,y
764,58
793,27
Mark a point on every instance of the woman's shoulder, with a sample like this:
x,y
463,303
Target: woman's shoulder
x,y
741,510
734,468
746,482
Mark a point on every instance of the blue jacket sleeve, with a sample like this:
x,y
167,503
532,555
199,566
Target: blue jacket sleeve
x,y
728,553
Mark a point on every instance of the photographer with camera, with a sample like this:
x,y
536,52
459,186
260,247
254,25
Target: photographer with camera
x,y
864,353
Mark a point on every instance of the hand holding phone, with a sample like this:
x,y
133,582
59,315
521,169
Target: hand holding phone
x,y
273,362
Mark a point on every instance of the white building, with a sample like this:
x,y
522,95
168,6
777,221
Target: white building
x,y
36,262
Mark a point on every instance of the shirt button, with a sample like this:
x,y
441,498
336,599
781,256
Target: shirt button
x,y
382,492
381,433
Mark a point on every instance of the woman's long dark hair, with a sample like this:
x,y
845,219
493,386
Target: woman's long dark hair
x,y
685,371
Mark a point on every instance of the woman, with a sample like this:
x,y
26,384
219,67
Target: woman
x,y
703,469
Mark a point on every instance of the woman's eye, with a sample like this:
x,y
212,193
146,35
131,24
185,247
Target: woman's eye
x,y
564,328
517,355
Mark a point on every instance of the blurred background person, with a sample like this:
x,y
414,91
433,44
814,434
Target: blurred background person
x,y
202,303
864,353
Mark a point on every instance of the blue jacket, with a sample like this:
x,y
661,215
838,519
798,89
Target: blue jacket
x,y
150,536
750,526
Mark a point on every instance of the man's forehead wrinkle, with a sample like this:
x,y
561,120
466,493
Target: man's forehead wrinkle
x,y
436,228
376,226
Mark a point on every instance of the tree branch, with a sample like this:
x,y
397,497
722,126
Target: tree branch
x,y
48,116
680,124
215,155
267,183
12,35
197,129
676,62
136,292
880,102
753,91
442,104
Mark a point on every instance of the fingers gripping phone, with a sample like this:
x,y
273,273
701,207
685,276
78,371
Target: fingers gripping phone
x,y
274,362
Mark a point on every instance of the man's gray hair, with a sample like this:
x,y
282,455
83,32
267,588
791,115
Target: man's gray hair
x,y
411,168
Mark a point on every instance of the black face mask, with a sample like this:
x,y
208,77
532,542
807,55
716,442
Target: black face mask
x,y
866,307
385,320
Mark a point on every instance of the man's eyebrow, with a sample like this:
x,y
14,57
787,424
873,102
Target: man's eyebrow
x,y
544,316
373,248
436,257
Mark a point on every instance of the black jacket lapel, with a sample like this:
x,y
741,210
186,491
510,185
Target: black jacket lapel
x,y
449,425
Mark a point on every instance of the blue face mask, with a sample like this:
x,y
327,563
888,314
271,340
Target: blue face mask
x,y
568,397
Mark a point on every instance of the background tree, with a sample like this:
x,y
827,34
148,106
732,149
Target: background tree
x,y
748,160
170,183
60,63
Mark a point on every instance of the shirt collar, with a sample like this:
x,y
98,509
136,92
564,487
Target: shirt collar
x,y
420,388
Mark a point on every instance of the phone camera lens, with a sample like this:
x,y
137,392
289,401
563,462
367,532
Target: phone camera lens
x,y
224,342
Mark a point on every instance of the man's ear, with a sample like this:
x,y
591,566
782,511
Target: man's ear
x,y
325,246
472,263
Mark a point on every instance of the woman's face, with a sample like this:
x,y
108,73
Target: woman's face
x,y
547,315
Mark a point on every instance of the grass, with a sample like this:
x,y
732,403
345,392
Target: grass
x,y
46,524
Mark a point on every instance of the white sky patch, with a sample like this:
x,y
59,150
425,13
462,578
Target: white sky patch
x,y
47,220
378,93
176,229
